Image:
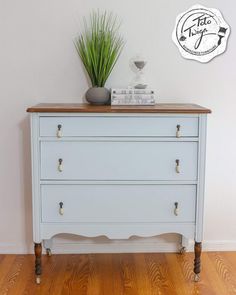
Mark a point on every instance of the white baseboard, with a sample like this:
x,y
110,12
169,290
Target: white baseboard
x,y
13,248
223,245
82,247
60,247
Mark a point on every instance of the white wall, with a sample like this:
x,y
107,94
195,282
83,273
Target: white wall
x,y
38,63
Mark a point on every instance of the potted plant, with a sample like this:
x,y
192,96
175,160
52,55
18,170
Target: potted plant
x,y
99,47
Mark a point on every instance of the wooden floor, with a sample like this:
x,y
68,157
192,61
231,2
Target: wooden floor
x,y
118,274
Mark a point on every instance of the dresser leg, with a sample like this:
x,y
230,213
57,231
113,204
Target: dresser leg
x,y
38,269
184,245
48,246
197,261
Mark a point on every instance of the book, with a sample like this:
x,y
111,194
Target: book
x,y
132,91
133,97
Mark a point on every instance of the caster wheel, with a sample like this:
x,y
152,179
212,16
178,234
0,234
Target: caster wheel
x,y
182,250
48,252
38,280
196,278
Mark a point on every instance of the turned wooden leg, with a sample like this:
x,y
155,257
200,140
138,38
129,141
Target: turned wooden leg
x,y
38,254
197,261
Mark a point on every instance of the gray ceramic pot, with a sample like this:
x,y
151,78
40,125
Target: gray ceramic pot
x,y
98,95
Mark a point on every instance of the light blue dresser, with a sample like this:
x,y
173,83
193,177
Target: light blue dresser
x,y
117,171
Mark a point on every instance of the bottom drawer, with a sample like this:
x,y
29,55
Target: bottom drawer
x,y
118,203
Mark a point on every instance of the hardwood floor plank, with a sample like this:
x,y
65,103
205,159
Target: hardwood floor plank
x,y
225,271
178,273
12,275
2,257
158,273
143,281
231,258
67,277
7,262
94,279
60,275
119,274
215,283
104,268
24,278
128,274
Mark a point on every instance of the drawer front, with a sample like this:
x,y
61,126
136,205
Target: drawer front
x,y
126,160
118,126
118,203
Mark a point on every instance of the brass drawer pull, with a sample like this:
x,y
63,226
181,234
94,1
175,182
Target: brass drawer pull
x,y
178,135
60,166
176,211
59,131
177,168
61,209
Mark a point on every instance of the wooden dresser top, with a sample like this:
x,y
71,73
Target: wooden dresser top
x,y
178,108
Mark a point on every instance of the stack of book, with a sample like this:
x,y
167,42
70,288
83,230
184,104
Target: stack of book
x,y
133,97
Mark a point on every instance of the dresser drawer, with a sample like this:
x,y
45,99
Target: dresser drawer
x,y
119,126
118,203
118,160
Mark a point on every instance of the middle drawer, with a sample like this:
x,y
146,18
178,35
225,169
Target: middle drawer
x,y
116,160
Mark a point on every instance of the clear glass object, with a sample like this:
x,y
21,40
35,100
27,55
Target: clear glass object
x,y
139,81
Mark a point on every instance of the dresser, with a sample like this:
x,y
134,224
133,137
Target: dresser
x,y
117,171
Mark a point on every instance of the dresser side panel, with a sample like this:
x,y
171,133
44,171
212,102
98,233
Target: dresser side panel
x,y
201,178
35,162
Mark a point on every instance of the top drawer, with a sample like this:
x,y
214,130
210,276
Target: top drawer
x,y
119,126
